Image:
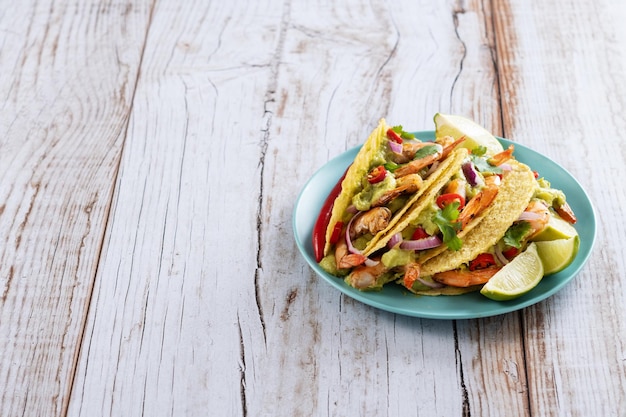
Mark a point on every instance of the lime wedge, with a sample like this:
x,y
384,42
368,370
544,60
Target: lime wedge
x,y
517,277
475,135
557,228
556,255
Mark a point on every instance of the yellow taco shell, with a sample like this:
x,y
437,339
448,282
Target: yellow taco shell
x,y
516,190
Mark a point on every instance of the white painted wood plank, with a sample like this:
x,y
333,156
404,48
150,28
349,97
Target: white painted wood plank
x,y
564,68
175,326
68,73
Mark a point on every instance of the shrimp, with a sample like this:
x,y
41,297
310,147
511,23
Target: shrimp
x,y
408,184
344,259
480,201
449,143
411,274
566,213
408,151
372,221
416,165
502,157
538,215
365,276
458,278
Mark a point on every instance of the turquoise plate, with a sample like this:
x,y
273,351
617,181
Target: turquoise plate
x,y
396,300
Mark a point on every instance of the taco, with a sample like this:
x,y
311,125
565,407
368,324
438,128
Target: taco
x,y
388,176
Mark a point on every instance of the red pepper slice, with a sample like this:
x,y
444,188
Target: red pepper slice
x,y
445,199
482,261
419,233
376,175
319,230
334,237
510,252
391,134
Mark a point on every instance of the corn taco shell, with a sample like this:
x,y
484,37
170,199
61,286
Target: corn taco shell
x,y
365,159
515,192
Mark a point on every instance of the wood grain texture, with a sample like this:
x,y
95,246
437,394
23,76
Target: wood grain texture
x,y
150,157
66,101
566,75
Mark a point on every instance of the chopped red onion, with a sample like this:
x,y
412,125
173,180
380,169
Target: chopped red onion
x,y
499,255
433,168
505,167
395,147
431,284
371,262
421,244
472,176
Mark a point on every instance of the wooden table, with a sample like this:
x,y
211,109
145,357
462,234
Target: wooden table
x,y
150,156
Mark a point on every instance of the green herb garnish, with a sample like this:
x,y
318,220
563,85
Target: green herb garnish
x,y
445,219
404,135
515,234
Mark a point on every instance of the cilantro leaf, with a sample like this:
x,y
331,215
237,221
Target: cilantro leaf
x,y
391,166
515,234
426,151
404,135
445,219
482,165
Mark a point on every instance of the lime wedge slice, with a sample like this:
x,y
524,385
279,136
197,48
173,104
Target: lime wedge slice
x,y
517,277
475,135
556,255
557,228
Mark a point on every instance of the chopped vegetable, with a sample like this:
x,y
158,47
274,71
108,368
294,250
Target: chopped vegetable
x,y
515,234
445,219
445,199
319,230
376,175
482,261
393,136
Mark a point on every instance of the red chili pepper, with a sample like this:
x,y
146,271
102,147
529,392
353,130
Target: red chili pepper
x,y
482,261
536,174
419,233
510,252
334,237
391,134
445,199
319,230
376,175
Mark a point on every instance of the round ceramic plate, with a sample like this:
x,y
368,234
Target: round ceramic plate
x,y
393,298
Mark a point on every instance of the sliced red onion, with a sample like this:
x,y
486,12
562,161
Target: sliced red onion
x,y
529,216
352,209
499,255
421,244
431,284
395,239
472,176
371,262
395,147
433,168
505,167
351,248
